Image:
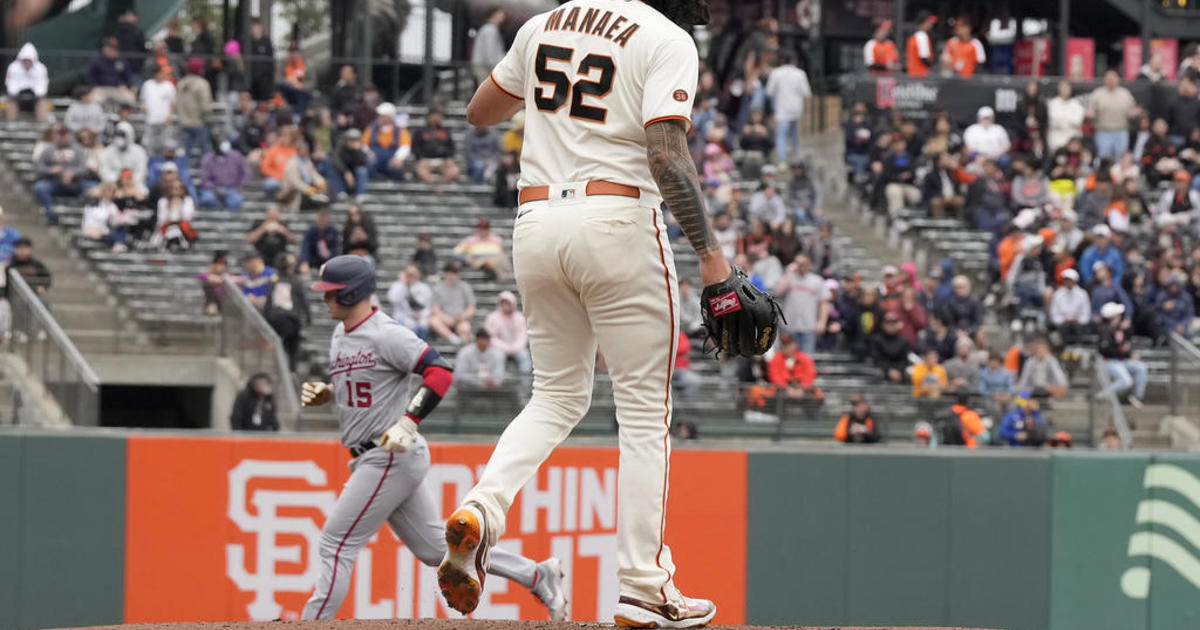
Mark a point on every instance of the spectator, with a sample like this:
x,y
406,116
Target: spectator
x,y
275,161
223,173
160,57
261,63
929,378
193,101
1026,280
507,327
508,175
1111,106
8,239
1041,373
158,102
175,213
793,372
858,134
321,242
897,171
963,371
26,83
1110,441
1071,309
995,381
480,365
961,425
61,170
923,434
349,167
889,349
110,74
212,282
170,159
434,149
805,302
1106,290
295,74
1024,425
1101,251
788,88
857,426
985,137
269,236
367,110
824,251
254,407
286,308
389,142
85,113
103,220
346,93
691,321
425,258
91,148
513,140
1152,70
756,136
453,306
254,132
919,55
203,45
131,41
767,206
31,269
483,153
412,301
962,311
256,278
302,185
483,250
1127,375
173,40
1176,308
879,53
683,378
909,311
804,197
964,52
1065,116
488,48
1030,188
357,218
940,190
1179,204
1183,114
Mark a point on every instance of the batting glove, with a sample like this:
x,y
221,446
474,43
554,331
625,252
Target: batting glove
x,y
399,438
315,394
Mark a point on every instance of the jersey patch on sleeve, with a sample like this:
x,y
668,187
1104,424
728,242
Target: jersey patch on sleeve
x,y
681,96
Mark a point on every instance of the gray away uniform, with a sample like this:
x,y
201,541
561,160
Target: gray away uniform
x,y
371,367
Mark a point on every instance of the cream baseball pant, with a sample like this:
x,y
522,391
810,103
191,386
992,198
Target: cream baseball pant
x,y
596,272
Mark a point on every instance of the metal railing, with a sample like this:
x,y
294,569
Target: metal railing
x,y
1102,400
248,340
1183,398
50,355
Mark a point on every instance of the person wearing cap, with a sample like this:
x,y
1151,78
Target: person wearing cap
x,y
929,379
1110,107
1105,290
1180,199
348,170
1070,309
918,50
964,51
412,301
1176,307
223,174
789,91
481,364
61,170
484,250
1024,424
806,302
1126,374
256,278
302,185
26,82
1041,373
858,425
111,74
985,137
389,142
879,53
295,76
1101,251
170,159
192,104
275,161
1026,279
158,96
888,349
36,273
433,146
923,434
453,305
767,206
792,371
995,382
508,329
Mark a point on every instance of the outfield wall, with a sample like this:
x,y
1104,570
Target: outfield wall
x,y
112,528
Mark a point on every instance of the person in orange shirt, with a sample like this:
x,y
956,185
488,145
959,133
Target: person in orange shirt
x,y
970,425
858,426
793,371
965,52
295,71
880,54
929,377
389,142
275,160
918,51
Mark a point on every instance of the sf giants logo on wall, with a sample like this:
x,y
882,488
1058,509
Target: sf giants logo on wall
x,y
1167,513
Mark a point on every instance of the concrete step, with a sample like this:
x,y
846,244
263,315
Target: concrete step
x,y
95,316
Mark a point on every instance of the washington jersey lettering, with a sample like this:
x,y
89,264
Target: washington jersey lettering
x,y
370,371
593,74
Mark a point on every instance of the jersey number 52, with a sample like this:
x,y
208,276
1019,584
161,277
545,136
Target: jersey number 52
x,y
564,89
358,394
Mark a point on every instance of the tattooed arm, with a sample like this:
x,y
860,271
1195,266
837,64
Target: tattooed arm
x,y
672,166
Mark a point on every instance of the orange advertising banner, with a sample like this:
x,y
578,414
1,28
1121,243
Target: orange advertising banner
x,y
227,529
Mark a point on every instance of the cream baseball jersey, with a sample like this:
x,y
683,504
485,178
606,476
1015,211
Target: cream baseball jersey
x,y
593,74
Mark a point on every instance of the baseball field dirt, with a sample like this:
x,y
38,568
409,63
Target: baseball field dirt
x,y
446,624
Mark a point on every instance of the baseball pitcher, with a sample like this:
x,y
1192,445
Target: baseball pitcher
x,y
375,365
607,89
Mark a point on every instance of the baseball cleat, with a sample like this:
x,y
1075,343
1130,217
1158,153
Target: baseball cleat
x,y
548,588
687,613
462,571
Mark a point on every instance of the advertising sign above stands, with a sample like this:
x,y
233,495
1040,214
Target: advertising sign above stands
x,y
1166,48
1081,58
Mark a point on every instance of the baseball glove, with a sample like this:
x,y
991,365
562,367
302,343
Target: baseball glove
x,y
740,319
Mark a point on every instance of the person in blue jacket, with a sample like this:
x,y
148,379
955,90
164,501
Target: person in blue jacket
x,y
1176,308
1102,250
1024,425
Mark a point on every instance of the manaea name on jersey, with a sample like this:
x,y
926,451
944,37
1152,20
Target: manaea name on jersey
x,y
593,23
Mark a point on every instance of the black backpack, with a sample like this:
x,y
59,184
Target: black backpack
x,y
949,429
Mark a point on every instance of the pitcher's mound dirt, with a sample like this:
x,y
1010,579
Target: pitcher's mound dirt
x,y
443,624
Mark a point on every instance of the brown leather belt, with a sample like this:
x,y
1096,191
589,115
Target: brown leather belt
x,y
594,187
